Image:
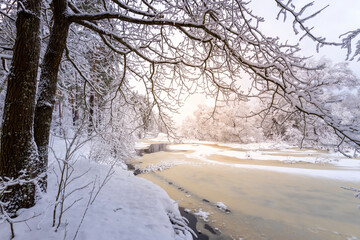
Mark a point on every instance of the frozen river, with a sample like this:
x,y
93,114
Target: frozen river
x,y
259,194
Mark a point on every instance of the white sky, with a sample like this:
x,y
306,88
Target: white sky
x,y
340,17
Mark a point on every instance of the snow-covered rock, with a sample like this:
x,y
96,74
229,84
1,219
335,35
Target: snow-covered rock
x,y
223,207
203,215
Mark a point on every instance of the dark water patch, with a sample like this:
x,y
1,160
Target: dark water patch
x,y
205,200
131,167
192,224
209,228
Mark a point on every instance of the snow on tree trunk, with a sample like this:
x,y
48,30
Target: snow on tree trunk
x,y
48,83
18,155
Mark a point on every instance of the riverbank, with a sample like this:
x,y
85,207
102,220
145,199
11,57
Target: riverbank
x,y
192,219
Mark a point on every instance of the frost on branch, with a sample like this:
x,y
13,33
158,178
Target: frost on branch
x,y
348,38
299,21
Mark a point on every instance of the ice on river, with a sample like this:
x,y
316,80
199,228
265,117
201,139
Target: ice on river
x,y
346,169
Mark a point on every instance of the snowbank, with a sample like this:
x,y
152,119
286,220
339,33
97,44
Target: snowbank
x,y
127,207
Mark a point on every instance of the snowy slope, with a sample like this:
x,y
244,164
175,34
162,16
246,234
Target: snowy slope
x,y
127,207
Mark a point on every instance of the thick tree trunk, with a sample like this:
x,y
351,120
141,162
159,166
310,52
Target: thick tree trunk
x,y
18,154
48,82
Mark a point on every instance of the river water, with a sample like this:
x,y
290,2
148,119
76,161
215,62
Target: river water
x,y
264,199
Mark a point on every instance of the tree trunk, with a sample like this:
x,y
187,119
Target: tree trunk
x,y
99,111
18,154
48,82
91,112
92,102
73,103
77,103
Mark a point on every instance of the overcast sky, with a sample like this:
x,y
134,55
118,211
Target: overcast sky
x,y
340,17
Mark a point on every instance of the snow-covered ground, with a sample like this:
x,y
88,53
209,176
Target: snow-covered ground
x,y
127,207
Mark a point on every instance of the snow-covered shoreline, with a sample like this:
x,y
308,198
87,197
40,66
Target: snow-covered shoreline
x,y
127,207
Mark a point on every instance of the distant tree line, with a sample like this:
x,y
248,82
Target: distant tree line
x,y
256,120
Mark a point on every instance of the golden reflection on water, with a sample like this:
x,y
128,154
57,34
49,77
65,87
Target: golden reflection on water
x,y
263,204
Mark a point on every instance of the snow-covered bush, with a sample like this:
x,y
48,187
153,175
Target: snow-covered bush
x,y
228,123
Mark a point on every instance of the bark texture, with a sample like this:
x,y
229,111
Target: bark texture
x,y
48,83
18,154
